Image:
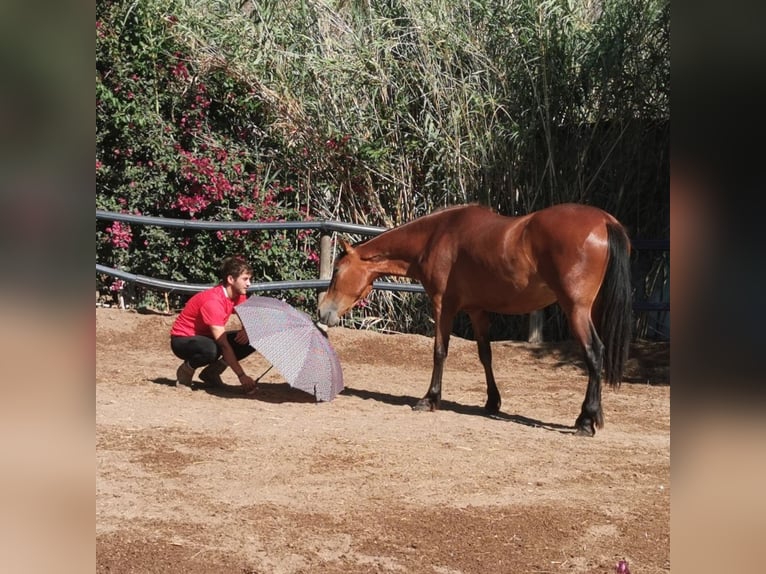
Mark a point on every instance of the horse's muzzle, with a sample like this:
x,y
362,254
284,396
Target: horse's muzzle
x,y
328,314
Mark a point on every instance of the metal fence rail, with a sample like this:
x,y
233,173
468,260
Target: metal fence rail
x,y
322,225
325,227
174,286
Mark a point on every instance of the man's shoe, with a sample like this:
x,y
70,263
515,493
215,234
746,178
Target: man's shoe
x,y
184,374
212,373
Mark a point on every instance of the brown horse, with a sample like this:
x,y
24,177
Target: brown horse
x,y
471,259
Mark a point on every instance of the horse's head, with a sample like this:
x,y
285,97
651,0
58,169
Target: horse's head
x,y
351,281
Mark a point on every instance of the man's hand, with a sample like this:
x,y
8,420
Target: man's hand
x,y
248,383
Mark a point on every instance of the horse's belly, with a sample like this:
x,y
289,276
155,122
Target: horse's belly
x,y
508,299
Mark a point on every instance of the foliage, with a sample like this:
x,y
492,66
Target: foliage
x,y
179,137
371,112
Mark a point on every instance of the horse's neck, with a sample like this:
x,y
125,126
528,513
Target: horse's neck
x,y
390,254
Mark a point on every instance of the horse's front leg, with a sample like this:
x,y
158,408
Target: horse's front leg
x,y
480,321
441,347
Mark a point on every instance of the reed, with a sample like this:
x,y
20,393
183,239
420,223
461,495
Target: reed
x,y
379,112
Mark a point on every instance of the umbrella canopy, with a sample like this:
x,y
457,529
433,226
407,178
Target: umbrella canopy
x,y
293,344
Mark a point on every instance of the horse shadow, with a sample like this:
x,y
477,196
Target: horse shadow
x,y
472,410
275,393
278,393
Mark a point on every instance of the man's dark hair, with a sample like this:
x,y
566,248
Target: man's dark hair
x,y
234,266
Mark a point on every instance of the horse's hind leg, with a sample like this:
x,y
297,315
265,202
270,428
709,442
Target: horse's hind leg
x,y
591,414
480,321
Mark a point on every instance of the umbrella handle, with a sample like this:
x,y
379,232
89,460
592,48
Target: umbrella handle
x,y
263,373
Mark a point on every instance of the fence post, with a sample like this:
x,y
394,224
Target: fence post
x,y
535,327
325,262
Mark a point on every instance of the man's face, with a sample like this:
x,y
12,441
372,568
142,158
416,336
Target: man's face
x,y
240,284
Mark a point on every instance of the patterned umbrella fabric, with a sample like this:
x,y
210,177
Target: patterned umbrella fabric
x,y
293,344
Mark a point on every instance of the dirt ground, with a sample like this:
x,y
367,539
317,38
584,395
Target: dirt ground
x,y
195,481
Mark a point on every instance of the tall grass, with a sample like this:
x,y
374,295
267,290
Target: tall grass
x,y
385,110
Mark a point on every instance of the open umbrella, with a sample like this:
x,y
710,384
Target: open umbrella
x,y
293,344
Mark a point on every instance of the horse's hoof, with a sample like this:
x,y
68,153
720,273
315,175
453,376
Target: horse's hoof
x,y
424,405
584,431
491,409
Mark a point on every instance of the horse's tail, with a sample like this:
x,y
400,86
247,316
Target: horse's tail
x,y
616,316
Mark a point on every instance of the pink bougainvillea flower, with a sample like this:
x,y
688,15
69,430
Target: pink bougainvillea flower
x,y
245,212
192,205
120,235
180,71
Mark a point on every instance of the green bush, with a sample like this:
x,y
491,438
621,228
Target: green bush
x,y
178,138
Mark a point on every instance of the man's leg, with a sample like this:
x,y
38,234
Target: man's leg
x,y
196,352
212,373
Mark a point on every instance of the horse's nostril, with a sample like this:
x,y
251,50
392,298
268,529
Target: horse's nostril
x,y
328,313
329,318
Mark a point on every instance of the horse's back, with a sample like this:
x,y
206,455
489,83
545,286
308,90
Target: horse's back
x,y
457,228
469,223
481,231
463,217
565,216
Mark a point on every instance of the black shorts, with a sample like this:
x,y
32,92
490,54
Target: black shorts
x,y
199,350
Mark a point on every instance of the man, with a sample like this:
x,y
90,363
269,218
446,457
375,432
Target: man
x,y
199,335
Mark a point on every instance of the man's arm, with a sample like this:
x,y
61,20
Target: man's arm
x,y
219,334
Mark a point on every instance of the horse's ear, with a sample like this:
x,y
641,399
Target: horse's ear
x,y
345,245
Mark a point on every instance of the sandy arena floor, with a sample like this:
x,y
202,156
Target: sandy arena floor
x,y
196,482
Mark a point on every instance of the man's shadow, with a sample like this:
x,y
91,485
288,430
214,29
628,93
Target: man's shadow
x,y
474,410
266,392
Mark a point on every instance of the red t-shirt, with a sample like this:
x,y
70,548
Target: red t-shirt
x,y
210,307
